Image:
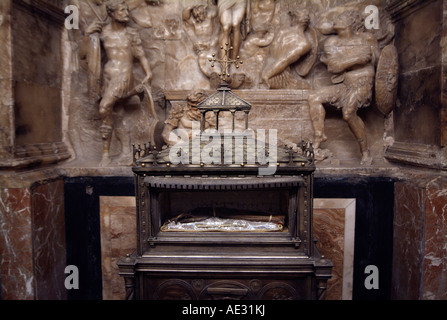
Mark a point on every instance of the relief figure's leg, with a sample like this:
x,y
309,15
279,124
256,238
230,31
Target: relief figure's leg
x,y
357,127
317,115
238,14
122,133
225,21
105,111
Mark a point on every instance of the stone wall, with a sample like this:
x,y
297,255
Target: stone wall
x,y
32,242
31,81
420,237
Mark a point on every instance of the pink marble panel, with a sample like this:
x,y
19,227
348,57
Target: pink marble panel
x,y
16,254
32,242
435,253
420,240
49,249
118,238
329,230
407,241
334,228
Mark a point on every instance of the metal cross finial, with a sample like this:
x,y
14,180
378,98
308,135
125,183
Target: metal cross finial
x,y
225,62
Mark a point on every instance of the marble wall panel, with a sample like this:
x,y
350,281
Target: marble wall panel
x,y
16,254
37,55
435,254
48,236
418,37
420,238
32,242
444,77
420,103
35,123
334,228
118,238
408,240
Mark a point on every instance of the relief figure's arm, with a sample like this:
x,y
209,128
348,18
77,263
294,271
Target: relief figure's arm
x,y
339,61
147,69
139,53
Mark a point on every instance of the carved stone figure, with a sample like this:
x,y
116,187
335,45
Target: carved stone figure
x,y
262,29
182,117
350,56
200,26
93,12
254,49
232,14
122,44
288,46
85,81
200,20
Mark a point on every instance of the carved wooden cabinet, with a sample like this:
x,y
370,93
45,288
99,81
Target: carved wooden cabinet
x,y
234,263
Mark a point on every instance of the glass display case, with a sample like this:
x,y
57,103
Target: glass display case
x,y
224,231
224,215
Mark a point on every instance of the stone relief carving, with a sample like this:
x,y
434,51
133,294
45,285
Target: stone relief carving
x,y
350,57
122,45
181,117
201,27
387,79
351,54
234,17
94,13
288,46
279,43
263,21
85,86
107,51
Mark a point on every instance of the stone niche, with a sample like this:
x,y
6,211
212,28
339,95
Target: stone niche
x,y
420,39
31,84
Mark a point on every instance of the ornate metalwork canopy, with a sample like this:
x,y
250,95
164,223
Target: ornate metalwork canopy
x,y
223,100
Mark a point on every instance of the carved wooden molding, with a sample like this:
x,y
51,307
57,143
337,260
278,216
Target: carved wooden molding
x,y
130,288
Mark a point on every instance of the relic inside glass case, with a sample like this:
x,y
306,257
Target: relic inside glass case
x,y
232,211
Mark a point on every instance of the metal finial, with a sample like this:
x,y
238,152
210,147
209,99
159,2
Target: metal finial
x,y
225,62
